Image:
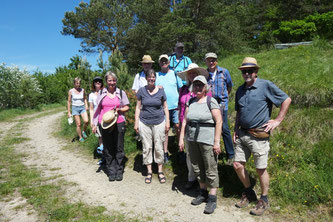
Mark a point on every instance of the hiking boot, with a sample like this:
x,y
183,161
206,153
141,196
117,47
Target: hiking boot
x,y
112,177
211,204
119,177
260,208
203,196
246,199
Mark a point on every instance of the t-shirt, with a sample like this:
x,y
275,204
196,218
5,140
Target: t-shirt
x,y
199,112
170,83
108,104
93,99
180,65
139,81
152,112
255,103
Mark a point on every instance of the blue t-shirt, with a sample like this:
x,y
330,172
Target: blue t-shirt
x,y
255,103
181,65
220,85
152,112
170,83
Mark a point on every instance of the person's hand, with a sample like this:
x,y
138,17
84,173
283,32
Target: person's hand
x,y
94,129
167,127
181,145
136,128
271,125
217,149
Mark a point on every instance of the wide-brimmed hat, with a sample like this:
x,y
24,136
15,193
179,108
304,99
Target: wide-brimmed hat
x,y
195,67
249,62
109,119
147,59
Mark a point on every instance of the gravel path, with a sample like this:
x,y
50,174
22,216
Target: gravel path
x,y
131,196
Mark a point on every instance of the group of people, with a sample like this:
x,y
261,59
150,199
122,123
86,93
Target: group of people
x,y
194,100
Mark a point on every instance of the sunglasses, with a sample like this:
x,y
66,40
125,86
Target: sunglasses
x,y
249,71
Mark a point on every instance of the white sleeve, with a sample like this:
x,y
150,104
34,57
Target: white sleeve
x,y
136,82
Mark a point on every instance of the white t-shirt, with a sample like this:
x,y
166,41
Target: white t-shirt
x,y
93,99
139,81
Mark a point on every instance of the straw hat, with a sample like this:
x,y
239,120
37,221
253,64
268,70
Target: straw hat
x,y
249,62
109,119
147,59
193,66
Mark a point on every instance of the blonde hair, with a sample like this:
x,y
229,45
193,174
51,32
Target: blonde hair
x,y
109,73
77,79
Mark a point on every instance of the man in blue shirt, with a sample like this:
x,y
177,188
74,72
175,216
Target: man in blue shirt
x,y
179,62
171,84
220,81
254,102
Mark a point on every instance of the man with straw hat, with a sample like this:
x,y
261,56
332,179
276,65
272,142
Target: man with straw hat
x,y
221,84
254,101
140,78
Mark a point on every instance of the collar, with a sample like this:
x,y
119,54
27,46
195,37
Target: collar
x,y
255,84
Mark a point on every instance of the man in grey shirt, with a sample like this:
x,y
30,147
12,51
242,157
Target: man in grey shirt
x,y
254,101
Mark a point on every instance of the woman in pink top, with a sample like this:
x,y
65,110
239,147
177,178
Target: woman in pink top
x,y
113,139
185,94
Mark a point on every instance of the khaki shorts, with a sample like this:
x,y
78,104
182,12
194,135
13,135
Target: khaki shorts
x,y
247,144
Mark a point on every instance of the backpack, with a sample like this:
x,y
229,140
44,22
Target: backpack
x,y
209,99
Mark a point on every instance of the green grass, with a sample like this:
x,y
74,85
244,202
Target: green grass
x,y
45,194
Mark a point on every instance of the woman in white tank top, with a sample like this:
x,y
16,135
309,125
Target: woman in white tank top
x,y
78,101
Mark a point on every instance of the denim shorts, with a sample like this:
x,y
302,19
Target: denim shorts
x,y
174,115
78,110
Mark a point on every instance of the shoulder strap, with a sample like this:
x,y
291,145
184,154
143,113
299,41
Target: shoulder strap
x,y
191,101
209,100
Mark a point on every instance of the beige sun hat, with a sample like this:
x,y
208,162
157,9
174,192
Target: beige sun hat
x,y
249,62
193,66
109,119
147,59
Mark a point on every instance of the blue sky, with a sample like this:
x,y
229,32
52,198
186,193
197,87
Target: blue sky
x,y
30,35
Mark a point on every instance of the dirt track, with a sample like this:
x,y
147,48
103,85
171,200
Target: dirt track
x,y
131,196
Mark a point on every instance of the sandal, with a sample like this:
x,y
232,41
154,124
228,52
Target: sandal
x,y
161,179
148,179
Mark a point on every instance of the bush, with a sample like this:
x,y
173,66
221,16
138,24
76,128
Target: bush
x,y
18,89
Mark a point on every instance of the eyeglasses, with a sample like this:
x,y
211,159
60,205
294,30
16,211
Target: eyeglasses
x,y
98,82
249,71
198,85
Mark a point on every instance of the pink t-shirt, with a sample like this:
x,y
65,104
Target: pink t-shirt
x,y
108,104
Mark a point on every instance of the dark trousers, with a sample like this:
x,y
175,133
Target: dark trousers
x,y
113,152
227,139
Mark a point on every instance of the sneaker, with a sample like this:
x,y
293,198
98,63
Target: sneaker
x,y
203,196
246,199
81,140
166,157
260,208
230,162
190,184
84,134
211,204
119,177
100,149
112,178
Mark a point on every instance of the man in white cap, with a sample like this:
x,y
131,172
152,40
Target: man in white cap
x,y
179,62
254,101
140,78
221,84
171,84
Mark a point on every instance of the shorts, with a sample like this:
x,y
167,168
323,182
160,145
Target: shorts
x,y
78,110
247,144
174,116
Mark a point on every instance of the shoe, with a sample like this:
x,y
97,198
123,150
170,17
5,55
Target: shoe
x,y
211,204
161,178
260,208
246,199
119,177
100,149
230,162
81,140
99,162
84,134
112,178
203,196
166,157
148,178
190,184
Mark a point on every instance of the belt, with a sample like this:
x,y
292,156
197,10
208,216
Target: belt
x,y
197,125
257,132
